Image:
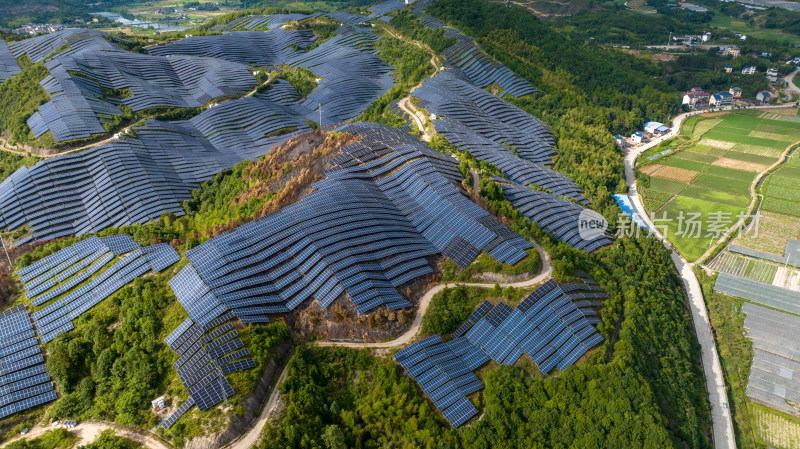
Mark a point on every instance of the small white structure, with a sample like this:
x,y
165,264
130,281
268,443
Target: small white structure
x,y
748,70
158,403
763,97
637,137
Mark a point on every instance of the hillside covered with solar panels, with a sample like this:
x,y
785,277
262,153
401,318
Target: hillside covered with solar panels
x,y
322,229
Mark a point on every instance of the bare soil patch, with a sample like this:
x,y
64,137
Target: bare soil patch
x,y
739,165
671,173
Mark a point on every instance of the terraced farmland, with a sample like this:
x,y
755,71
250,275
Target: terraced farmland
x,y
708,176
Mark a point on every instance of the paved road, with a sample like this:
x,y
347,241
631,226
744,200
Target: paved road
x,y
790,85
721,420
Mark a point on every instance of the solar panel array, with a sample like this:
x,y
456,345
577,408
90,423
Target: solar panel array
x,y
474,63
775,371
255,48
67,275
24,382
78,108
353,76
67,42
555,215
554,326
444,372
8,63
368,228
137,180
494,131
206,353
765,294
481,71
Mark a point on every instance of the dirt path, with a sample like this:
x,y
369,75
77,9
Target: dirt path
x,y
406,105
254,434
425,301
721,420
4,146
89,431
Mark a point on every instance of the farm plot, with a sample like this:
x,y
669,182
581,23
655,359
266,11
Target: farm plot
x,y
772,233
750,268
670,173
717,169
775,429
714,218
781,190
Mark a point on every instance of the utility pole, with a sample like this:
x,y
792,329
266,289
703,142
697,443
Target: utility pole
x,y
10,265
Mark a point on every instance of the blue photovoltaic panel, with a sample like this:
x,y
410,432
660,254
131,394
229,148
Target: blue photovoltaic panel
x,y
23,375
368,228
553,325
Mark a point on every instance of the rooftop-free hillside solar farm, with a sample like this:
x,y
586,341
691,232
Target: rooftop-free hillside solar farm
x,y
355,225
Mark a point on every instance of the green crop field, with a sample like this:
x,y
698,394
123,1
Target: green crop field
x,y
665,185
674,161
696,157
781,189
701,193
729,185
750,158
728,151
690,246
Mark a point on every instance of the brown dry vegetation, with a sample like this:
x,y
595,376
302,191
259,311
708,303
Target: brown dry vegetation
x,y
288,171
739,165
784,111
671,173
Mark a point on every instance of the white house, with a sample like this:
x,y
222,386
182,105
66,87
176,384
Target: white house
x,y
721,99
655,128
749,70
764,97
637,137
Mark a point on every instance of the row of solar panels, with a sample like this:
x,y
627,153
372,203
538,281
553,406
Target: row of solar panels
x,y
548,325
444,372
494,131
24,381
205,354
271,22
557,216
69,273
389,203
136,180
77,84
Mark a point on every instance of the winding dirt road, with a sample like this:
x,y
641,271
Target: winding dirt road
x,y
425,301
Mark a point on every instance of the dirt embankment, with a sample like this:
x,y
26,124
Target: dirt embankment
x,y
341,320
252,405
